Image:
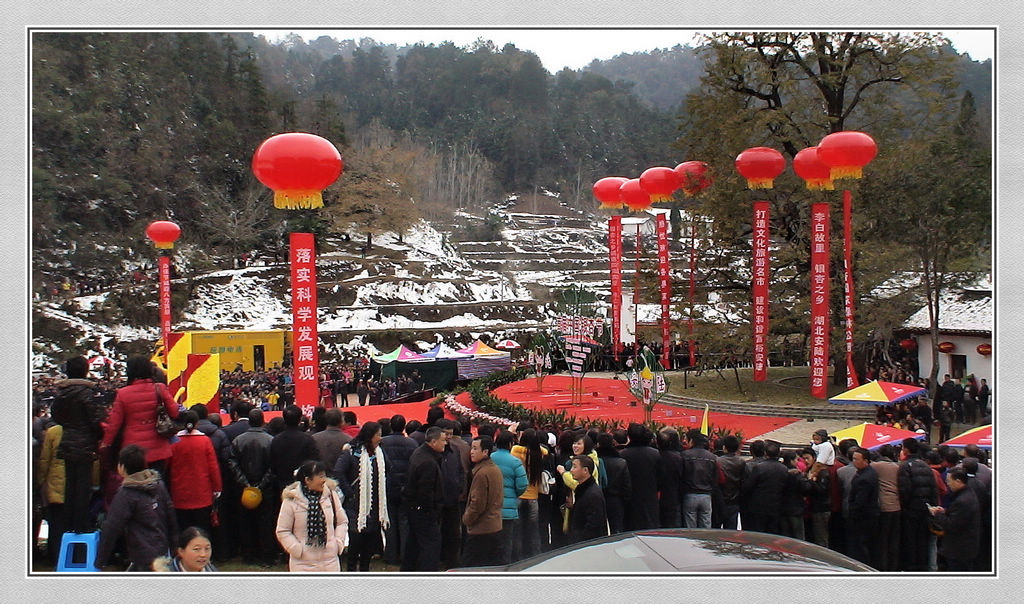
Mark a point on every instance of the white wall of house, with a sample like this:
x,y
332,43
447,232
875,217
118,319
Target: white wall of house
x,y
980,366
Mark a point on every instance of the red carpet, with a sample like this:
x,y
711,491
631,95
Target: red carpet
x,y
608,400
417,411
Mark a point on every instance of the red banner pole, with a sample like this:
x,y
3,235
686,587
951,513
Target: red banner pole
x,y
666,288
851,372
759,288
165,303
615,261
693,288
305,349
820,227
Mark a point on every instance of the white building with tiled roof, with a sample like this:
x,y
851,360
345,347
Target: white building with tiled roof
x,y
966,320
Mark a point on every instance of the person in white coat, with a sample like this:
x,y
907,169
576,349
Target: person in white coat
x,y
312,527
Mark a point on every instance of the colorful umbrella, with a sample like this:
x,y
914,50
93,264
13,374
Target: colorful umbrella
x,y
478,348
877,393
981,436
399,354
872,436
508,344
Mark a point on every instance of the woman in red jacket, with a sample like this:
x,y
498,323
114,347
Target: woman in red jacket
x,y
194,475
134,413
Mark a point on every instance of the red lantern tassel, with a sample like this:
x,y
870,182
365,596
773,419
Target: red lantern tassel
x,y
820,184
163,245
761,183
298,200
841,172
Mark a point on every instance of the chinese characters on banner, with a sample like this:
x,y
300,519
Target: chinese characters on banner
x,y
165,302
819,299
851,373
615,260
305,353
666,287
693,289
759,289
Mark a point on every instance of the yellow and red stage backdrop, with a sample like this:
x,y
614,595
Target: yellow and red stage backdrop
x,y
202,381
177,348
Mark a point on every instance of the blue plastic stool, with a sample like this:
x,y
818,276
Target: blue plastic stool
x,y
78,553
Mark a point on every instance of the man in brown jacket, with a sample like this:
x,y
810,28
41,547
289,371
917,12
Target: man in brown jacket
x,y
482,518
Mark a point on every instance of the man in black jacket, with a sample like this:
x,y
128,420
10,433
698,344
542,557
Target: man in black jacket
x,y
960,524
918,490
77,408
732,468
251,453
398,449
700,473
863,507
643,462
290,448
423,497
588,519
762,491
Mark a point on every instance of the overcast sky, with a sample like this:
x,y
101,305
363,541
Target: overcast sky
x,y
575,48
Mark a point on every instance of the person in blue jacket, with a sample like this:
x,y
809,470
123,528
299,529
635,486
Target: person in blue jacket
x,y
515,482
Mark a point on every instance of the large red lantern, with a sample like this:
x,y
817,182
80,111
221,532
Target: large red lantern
x,y
947,347
816,174
660,183
760,166
847,152
634,196
297,166
908,344
696,176
606,191
163,234
984,349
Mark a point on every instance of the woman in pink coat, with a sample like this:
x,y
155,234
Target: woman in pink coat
x,y
312,526
133,415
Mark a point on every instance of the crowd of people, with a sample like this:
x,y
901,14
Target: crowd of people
x,y
449,493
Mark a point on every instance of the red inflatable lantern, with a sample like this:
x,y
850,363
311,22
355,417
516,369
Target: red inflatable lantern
x,y
846,153
908,344
696,176
606,191
947,347
634,196
297,166
816,174
660,183
984,349
760,166
163,233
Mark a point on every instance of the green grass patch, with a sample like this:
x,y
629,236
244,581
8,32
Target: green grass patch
x,y
784,386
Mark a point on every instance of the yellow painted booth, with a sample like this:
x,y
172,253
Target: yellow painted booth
x,y
254,350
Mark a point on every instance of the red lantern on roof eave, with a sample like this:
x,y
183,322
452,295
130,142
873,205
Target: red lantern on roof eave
x,y
846,153
696,176
633,195
984,349
163,233
760,166
660,183
947,347
816,174
908,344
297,166
606,190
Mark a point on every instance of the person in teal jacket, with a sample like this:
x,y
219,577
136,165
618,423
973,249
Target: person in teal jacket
x,y
515,482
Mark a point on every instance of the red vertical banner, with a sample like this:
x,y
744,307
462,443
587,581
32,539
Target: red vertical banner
x,y
665,281
305,353
819,299
693,288
165,302
759,288
615,262
851,372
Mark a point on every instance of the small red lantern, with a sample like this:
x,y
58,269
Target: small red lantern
x,y
816,174
984,349
947,347
634,196
847,152
298,167
760,166
908,344
606,191
660,183
696,176
163,233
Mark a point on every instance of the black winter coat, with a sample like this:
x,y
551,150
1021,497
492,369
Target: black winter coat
x,y
916,482
398,449
797,485
763,487
425,489
863,497
962,526
288,451
670,483
619,483
141,511
77,408
588,519
643,462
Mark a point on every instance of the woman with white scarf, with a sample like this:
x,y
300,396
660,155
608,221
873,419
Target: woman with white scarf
x,y
361,473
